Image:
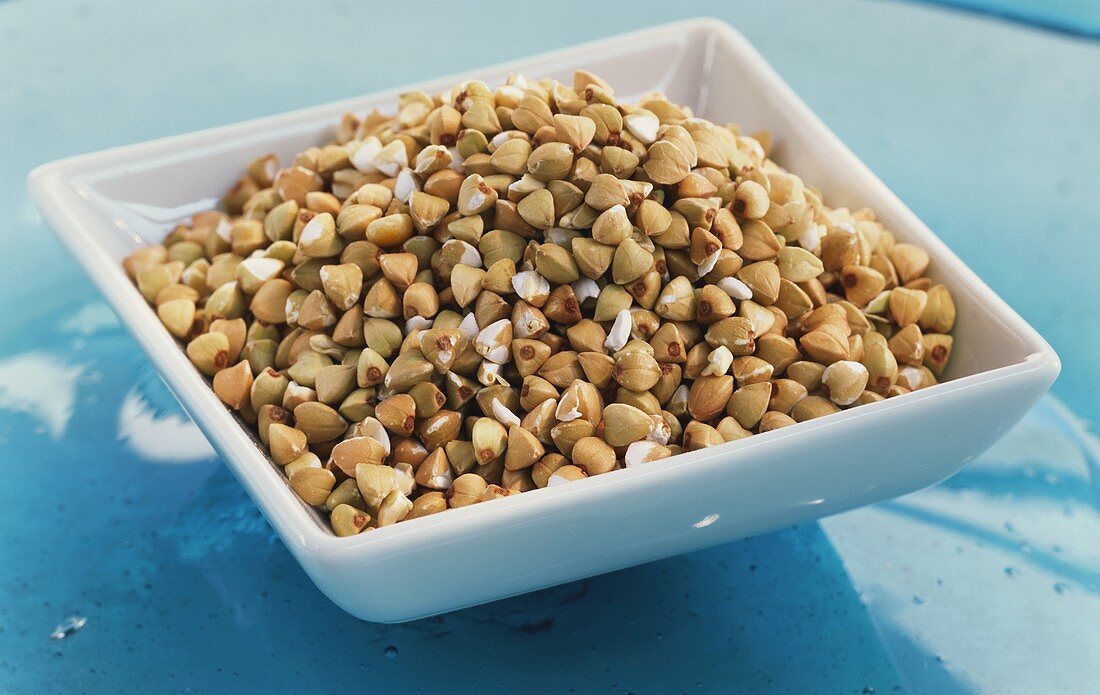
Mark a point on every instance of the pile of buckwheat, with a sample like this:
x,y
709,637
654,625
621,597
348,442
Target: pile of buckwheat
x,y
499,290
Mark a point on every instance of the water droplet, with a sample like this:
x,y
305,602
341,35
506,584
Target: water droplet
x,y
1061,588
391,652
69,626
1011,571
919,600
706,521
869,690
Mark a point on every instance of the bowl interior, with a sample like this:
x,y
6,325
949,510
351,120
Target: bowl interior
x,y
142,192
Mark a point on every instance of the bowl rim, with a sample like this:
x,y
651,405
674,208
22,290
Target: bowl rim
x,y
58,189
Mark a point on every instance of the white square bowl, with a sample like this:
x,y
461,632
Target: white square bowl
x,y
104,205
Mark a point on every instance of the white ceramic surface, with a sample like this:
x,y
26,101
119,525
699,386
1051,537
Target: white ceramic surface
x,y
104,205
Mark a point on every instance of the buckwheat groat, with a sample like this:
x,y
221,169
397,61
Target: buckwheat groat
x,y
497,290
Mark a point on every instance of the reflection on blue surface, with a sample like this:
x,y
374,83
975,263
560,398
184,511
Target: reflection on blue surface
x,y
114,508
1007,545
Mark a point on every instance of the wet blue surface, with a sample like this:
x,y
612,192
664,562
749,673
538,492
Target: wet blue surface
x,y
113,507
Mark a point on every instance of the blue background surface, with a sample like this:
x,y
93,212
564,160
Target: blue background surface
x,y
113,507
